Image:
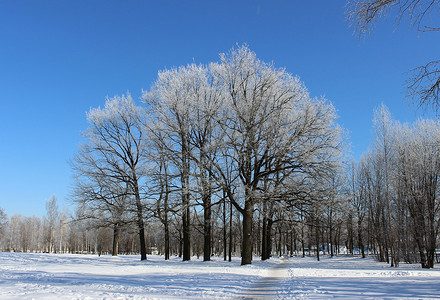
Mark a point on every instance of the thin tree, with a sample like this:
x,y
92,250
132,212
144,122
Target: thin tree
x,y
3,223
52,220
383,127
170,102
162,186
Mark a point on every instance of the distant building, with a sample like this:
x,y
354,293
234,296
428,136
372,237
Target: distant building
x,y
152,251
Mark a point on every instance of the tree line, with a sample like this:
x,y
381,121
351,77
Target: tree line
x,y
235,158
58,232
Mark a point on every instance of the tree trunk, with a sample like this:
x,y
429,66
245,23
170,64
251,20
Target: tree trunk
x,y
280,241
248,213
185,200
330,233
317,241
267,239
230,230
140,221
207,228
225,250
167,239
360,241
186,239
302,242
264,238
164,217
115,239
180,244
420,240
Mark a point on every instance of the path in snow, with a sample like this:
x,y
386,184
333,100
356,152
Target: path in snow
x,y
269,286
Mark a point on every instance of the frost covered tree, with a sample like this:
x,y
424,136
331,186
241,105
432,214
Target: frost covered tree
x,y
25,234
204,138
113,156
273,129
424,86
162,185
184,103
3,222
383,149
4,227
359,197
334,204
170,102
419,171
52,217
371,188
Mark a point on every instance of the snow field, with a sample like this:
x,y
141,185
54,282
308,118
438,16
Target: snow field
x,y
67,276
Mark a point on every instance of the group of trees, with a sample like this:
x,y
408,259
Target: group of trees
x,y
47,234
58,232
395,187
236,133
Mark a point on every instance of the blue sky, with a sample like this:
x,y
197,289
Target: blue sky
x,y
60,58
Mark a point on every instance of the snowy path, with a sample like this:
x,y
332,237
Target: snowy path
x,y
269,286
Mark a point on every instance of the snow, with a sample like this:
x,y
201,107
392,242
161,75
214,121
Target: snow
x,y
70,276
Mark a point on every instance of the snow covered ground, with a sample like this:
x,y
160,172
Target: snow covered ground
x,y
65,276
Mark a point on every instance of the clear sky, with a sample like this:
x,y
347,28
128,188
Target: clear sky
x,y
60,58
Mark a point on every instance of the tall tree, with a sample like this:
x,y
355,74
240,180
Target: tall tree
x,y
204,136
171,103
383,149
114,150
52,215
271,126
162,184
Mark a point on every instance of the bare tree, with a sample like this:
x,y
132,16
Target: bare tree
x,y
383,149
52,221
424,84
3,223
114,155
162,185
